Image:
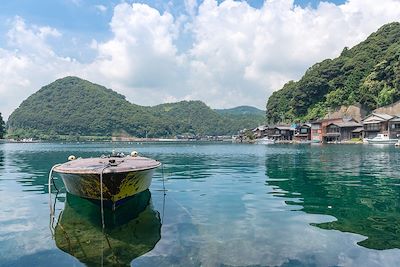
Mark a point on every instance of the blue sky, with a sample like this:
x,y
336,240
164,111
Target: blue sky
x,y
225,53
81,18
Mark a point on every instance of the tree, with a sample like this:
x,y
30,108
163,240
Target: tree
x,y
2,127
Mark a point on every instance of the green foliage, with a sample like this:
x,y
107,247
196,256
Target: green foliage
x,y
2,127
319,110
243,116
249,135
386,95
70,108
241,110
368,73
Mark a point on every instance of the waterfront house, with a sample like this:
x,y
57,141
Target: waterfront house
x,y
376,123
260,131
340,130
316,132
394,127
303,132
358,133
281,132
318,129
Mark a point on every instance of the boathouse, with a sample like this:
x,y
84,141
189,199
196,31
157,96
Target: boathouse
x,y
340,131
281,132
376,123
316,132
303,132
394,127
260,131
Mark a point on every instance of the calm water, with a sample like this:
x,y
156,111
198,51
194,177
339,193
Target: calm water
x,y
225,205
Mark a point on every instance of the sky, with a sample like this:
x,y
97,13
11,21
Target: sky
x,y
225,53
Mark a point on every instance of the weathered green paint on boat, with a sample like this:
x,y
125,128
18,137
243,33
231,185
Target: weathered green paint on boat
x,y
124,178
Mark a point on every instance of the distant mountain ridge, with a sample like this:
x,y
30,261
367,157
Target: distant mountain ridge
x,y
368,74
242,110
73,106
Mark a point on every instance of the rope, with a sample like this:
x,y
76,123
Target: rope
x,y
101,197
163,180
51,181
164,190
102,213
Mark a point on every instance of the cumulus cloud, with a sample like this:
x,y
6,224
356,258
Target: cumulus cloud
x,y
29,63
244,54
141,58
234,54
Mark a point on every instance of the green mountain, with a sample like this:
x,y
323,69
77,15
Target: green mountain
x,y
242,110
75,107
244,116
368,73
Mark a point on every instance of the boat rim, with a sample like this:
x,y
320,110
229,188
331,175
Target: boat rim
x,y
105,169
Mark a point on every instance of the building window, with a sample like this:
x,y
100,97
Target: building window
x,y
332,129
372,127
396,126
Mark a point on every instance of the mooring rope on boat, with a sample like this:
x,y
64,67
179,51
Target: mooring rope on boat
x,y
164,191
49,183
101,196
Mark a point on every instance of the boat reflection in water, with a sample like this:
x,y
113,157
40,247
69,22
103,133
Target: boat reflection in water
x,y
131,231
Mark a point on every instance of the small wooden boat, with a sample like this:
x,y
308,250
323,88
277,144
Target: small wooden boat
x,y
112,178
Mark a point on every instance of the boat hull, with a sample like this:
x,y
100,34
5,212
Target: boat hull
x,y
387,142
116,186
264,141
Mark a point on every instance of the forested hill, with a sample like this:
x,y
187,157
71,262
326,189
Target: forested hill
x,y
244,116
72,106
368,73
241,110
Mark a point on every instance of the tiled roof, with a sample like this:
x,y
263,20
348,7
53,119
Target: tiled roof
x,y
396,119
377,117
344,124
348,124
285,128
358,130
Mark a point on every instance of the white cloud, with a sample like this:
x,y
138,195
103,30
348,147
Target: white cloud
x,y
76,2
243,54
30,64
101,8
141,59
236,54
191,6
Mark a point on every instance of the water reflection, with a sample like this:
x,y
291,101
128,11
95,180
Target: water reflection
x,y
131,231
359,187
1,157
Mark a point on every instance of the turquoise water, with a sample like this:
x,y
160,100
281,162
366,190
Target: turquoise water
x,y
225,205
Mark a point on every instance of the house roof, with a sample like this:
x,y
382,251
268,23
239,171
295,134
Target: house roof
x,y
358,130
346,124
285,128
376,118
260,128
395,119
